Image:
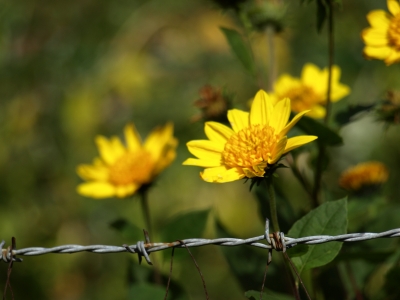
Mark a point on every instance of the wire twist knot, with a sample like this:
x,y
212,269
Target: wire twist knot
x,y
8,254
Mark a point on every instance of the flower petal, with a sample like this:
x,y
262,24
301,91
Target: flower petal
x,y
92,172
217,132
123,191
375,37
293,122
168,157
110,150
278,150
314,77
298,141
205,163
261,109
160,138
132,137
96,189
317,112
379,19
238,119
284,84
393,6
281,114
393,57
205,149
377,52
221,174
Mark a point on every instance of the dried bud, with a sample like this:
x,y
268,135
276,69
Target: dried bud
x,y
266,14
213,104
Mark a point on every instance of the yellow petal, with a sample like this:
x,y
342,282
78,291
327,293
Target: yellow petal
x,y
123,191
278,150
339,91
205,163
109,150
221,174
167,158
205,149
284,84
158,139
317,112
281,114
117,146
393,6
217,132
375,37
238,119
377,52
298,141
393,58
261,109
292,123
314,77
92,172
132,138
379,19
96,189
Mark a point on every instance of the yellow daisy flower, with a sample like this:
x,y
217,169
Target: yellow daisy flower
x,y
382,40
256,141
367,174
121,170
309,92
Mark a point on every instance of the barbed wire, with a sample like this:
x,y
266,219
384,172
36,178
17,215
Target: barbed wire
x,y
274,241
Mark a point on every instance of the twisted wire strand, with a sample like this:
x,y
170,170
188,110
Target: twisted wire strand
x,y
143,249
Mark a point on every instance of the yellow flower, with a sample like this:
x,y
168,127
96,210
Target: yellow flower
x,y
367,174
382,40
309,92
121,170
256,141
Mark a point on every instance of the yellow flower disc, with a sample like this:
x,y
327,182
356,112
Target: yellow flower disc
x,y
394,32
251,147
131,167
302,97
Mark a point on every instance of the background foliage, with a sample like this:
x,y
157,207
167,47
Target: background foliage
x,y
73,69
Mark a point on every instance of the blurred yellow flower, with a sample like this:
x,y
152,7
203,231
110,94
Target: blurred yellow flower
x,y
256,141
367,174
121,170
382,40
309,92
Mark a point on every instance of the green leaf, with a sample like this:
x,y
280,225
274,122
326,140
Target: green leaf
x,y
267,294
146,291
239,47
328,219
321,14
184,226
299,250
325,135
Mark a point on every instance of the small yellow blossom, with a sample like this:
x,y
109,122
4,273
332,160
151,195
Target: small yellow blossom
x,y
121,170
382,40
309,92
256,141
367,174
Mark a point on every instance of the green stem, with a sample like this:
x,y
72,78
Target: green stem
x,y
146,211
322,149
272,204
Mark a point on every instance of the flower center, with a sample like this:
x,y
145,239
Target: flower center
x,y
394,32
132,167
251,148
302,98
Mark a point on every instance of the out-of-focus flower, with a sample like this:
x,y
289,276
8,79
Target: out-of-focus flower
x,y
382,40
213,104
252,147
122,170
309,92
389,110
365,175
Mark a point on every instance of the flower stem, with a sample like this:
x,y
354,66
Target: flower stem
x,y
322,148
272,204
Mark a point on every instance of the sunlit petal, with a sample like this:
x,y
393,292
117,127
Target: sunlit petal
x,y
298,141
205,149
221,174
261,109
96,190
217,132
293,122
238,119
132,137
278,150
393,6
281,115
205,163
